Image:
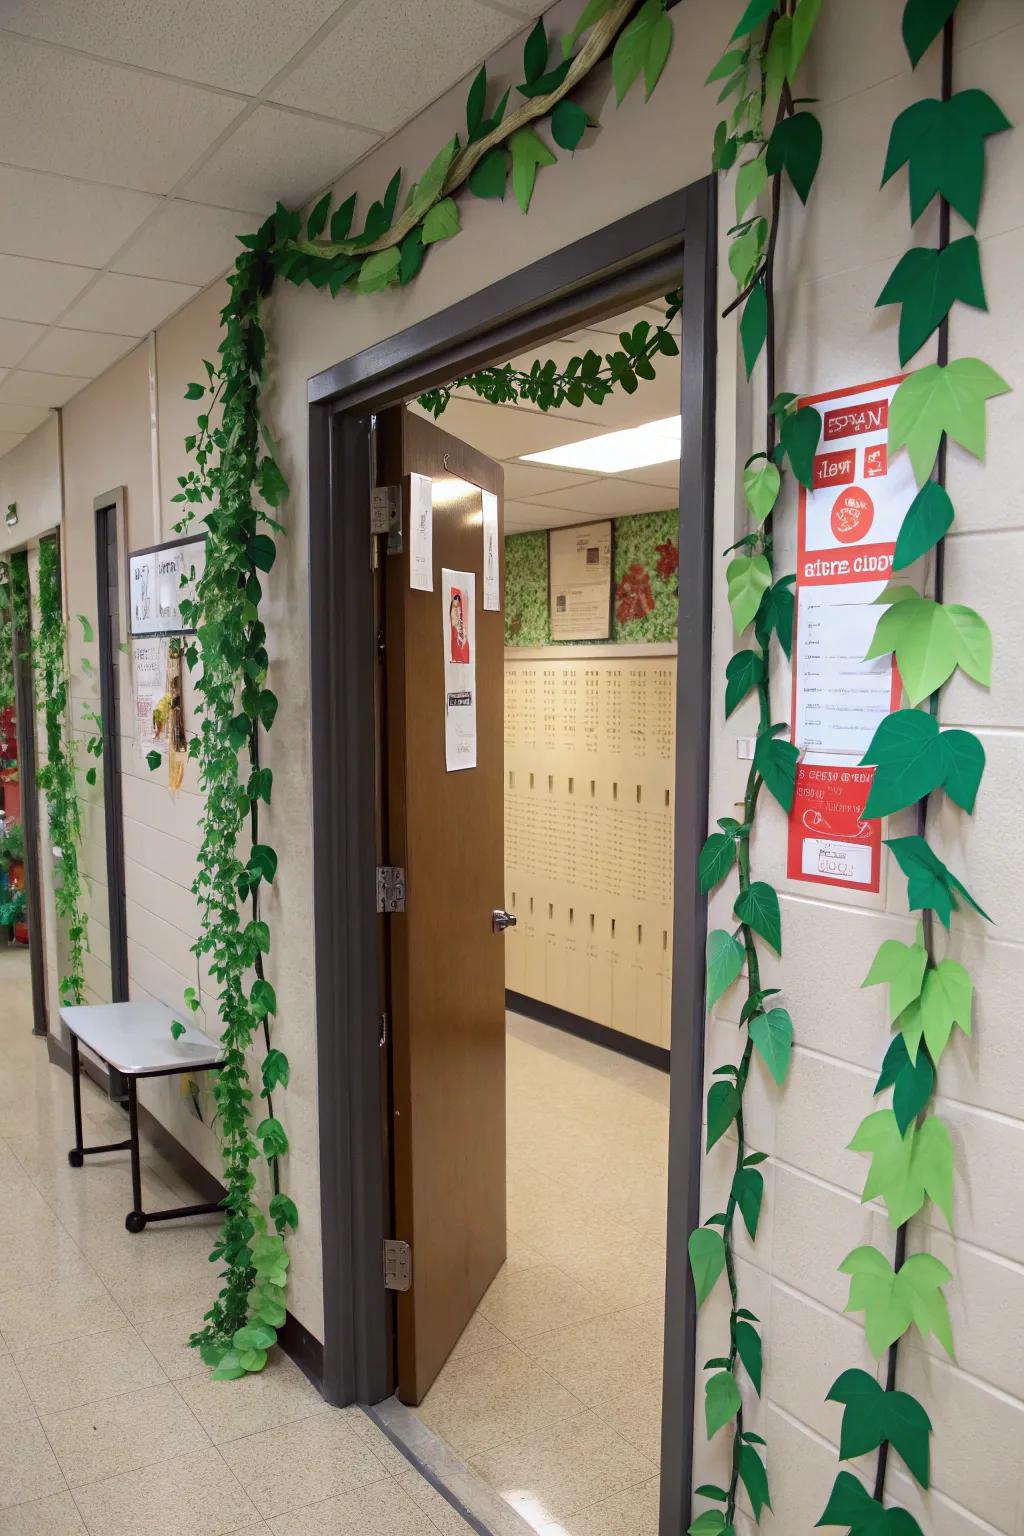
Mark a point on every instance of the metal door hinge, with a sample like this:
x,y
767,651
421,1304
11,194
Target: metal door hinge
x,y
390,888
383,1038
386,515
397,1264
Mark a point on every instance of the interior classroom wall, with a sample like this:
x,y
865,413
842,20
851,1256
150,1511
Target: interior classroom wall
x,y
839,252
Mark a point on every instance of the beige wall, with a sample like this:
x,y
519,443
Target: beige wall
x,y
838,254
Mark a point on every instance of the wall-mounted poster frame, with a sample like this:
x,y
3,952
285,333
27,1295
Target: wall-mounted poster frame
x,y
580,606
154,585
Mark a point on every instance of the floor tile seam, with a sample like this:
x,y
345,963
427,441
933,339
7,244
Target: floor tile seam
x,y
144,1466
579,1509
108,1397
321,1410
49,1442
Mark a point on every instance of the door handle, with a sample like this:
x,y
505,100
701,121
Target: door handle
x,y
500,920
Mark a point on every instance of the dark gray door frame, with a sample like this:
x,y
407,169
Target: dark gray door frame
x,y
109,519
613,268
25,728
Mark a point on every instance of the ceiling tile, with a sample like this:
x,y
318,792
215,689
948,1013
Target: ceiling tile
x,y
128,305
534,479
9,440
665,475
239,44
21,418
277,154
83,353
83,117
387,59
38,290
608,497
42,215
188,242
505,432
16,337
39,389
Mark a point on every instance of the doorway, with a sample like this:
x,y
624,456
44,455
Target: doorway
x,y
109,518
353,621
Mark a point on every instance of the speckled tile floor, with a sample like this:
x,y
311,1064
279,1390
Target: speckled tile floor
x,y
553,1395
109,1425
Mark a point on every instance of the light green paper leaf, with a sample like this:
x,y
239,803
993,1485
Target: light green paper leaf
x,y
441,222
528,153
930,640
903,967
379,270
746,250
761,485
905,1170
710,1523
717,857
706,1248
751,180
725,957
756,12
722,1401
805,19
891,1302
772,1034
748,577
946,1000
780,52
592,11
939,399
643,45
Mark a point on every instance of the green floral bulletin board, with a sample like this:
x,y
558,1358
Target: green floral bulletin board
x,y
646,604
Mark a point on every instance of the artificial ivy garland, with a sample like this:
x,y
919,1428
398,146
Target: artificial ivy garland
x,y
234,488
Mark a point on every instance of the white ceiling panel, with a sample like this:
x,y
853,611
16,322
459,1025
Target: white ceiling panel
x,y
130,305
522,480
21,418
394,57
38,290
505,432
82,117
186,242
277,154
9,440
42,215
665,475
608,497
82,353
16,337
239,44
39,389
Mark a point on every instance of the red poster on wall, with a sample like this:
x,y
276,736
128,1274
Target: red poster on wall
x,y
848,523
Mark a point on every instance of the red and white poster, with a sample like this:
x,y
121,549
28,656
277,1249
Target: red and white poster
x,y
848,523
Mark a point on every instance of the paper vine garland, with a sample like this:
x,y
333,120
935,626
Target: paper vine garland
x,y
235,488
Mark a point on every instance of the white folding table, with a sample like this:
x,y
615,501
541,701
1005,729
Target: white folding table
x,y
135,1039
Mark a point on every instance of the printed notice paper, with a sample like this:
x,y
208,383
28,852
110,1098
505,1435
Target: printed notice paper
x,y
492,554
458,623
421,533
847,529
158,580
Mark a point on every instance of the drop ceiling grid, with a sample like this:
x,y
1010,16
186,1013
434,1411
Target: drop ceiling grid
x,y
137,140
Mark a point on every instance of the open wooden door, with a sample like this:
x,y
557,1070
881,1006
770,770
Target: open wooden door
x,y
443,825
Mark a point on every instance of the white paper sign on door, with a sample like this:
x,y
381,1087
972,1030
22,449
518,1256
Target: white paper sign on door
x,y
421,533
458,623
492,554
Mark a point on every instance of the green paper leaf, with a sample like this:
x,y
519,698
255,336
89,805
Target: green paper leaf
x,y
872,1415
780,50
177,1029
411,258
721,1401
927,283
644,46
944,144
795,147
851,1505
535,53
928,519
490,175
732,60
776,762
476,101
153,761
748,1192
271,1134
755,1479
746,251
441,222
87,633
283,1213
725,957
946,999
262,998
748,578
805,18
710,1523
758,907
776,615
723,1107
568,124
912,1082
754,326
906,1169
929,882
528,154
923,20
751,180
930,640
939,399
799,436
761,485
318,217
891,1302
592,12
963,759
379,270
756,12
772,1034
743,672
341,219
707,1260
748,1346
275,1070
717,857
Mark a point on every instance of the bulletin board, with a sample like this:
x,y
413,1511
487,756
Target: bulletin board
x,y
581,568
589,789
158,578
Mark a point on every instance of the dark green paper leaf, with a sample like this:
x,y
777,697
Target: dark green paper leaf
x,y
929,882
489,176
758,907
776,762
754,326
568,124
928,519
944,144
755,1479
776,615
799,436
748,1191
927,283
923,20
723,1107
795,147
743,672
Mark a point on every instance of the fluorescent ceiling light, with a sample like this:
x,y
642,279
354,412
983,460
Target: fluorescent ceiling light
x,y
656,442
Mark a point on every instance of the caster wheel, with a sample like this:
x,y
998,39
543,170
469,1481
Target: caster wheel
x,y
135,1221
75,1158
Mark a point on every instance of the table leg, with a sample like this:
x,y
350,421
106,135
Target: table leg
x,y
136,1219
76,1156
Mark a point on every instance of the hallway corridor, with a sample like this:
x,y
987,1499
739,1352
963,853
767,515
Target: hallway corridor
x,y
109,1424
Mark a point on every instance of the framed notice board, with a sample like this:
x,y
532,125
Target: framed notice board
x,y
581,568
158,579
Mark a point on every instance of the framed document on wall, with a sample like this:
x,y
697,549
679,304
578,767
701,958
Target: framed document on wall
x,y
581,564
158,578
